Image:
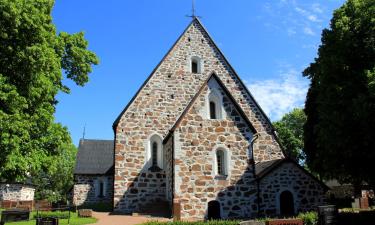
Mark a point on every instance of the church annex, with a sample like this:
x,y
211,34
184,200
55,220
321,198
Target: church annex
x,y
194,138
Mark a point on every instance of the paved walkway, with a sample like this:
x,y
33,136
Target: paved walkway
x,y
105,219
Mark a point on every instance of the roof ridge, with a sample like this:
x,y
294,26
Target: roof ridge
x,y
94,139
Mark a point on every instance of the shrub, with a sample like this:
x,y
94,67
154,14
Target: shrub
x,y
56,214
309,218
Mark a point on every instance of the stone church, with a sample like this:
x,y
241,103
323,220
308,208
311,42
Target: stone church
x,y
193,139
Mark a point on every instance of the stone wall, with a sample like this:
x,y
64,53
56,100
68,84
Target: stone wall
x,y
86,189
16,192
168,150
162,100
307,192
197,139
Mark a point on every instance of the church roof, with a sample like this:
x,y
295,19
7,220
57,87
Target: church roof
x,y
262,169
94,157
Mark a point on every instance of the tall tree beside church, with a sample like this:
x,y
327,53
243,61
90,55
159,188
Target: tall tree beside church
x,y
340,106
290,132
32,58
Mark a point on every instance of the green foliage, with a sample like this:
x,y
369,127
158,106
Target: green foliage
x,y
98,207
56,181
74,220
340,106
309,218
56,214
32,58
290,132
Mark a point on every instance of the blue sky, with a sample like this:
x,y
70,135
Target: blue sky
x,y
268,42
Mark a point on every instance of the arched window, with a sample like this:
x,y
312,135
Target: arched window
x,y
215,105
195,64
213,110
154,153
101,189
220,162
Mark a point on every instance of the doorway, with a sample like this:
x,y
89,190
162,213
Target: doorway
x,y
286,203
213,211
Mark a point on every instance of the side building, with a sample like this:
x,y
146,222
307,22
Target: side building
x,y
93,173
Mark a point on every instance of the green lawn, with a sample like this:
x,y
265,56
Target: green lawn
x,y
74,220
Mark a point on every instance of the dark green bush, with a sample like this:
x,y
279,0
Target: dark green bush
x,y
56,214
98,207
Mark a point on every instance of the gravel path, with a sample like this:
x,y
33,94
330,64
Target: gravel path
x,y
105,218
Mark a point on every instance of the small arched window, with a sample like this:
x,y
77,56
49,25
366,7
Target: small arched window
x,y
195,64
213,110
154,154
215,105
220,162
101,189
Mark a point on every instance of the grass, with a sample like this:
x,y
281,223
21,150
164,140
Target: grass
x,y
74,220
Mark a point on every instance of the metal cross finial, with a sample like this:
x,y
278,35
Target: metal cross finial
x,y
84,131
193,10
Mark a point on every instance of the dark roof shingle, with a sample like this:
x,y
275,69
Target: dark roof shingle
x,y
94,157
262,167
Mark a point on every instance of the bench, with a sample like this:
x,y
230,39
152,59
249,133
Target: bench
x,y
12,215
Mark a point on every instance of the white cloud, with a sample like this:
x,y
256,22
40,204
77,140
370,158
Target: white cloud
x,y
313,18
295,17
279,96
308,31
316,7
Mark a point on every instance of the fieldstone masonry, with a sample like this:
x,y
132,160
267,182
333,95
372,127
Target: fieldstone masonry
x,y
173,93
307,193
16,192
85,190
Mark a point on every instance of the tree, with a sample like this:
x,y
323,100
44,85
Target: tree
x,y
340,107
32,58
55,182
290,132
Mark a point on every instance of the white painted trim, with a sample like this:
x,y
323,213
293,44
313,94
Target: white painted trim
x,y
216,96
148,153
96,187
227,160
199,62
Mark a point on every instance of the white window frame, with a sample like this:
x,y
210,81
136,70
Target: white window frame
x,y
99,180
160,161
226,161
215,96
198,60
